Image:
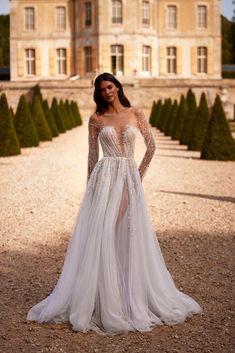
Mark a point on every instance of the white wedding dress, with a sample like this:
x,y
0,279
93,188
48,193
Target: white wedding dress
x,y
114,278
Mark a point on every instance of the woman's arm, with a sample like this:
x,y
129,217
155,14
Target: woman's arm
x,y
93,144
145,130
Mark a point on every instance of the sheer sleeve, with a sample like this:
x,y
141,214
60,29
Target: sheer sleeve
x,y
93,145
145,130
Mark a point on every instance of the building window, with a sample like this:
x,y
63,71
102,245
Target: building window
x,y
202,60
171,60
61,61
29,18
116,11
202,16
171,17
60,18
30,62
88,14
146,59
117,65
145,13
88,59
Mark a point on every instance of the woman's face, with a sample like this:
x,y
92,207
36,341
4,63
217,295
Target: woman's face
x,y
109,91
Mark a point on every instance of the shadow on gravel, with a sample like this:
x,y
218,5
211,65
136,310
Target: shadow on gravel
x,y
201,265
178,156
172,148
209,197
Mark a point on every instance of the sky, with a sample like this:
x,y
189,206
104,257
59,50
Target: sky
x,y
227,7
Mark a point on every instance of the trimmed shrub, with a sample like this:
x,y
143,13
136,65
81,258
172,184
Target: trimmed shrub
x,y
171,120
157,112
49,118
9,143
70,113
57,116
24,125
167,116
218,143
180,119
76,113
189,120
152,113
40,122
65,116
163,114
37,93
200,125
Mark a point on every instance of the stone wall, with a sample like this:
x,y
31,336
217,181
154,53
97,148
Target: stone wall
x,y
140,92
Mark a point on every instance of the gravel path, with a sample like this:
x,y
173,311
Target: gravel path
x,y
191,205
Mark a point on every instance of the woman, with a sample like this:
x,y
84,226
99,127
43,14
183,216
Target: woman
x,y
114,277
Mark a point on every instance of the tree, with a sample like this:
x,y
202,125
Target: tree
x,y
218,143
163,114
190,117
167,116
49,118
24,125
40,122
171,120
200,125
76,113
66,118
180,118
152,113
57,116
70,113
9,143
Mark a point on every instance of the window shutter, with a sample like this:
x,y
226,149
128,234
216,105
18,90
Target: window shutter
x,y
80,62
20,62
69,61
210,61
179,60
194,60
162,60
38,61
52,62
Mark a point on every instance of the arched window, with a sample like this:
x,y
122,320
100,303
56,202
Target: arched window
x,y
171,57
202,60
116,11
117,62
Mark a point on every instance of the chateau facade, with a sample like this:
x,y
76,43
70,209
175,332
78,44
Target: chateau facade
x,y
58,39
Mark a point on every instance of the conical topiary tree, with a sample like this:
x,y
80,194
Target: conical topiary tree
x,y
24,125
76,113
9,143
37,93
66,118
167,116
171,120
218,143
200,125
157,112
190,117
70,113
163,114
57,116
180,118
49,118
43,130
152,113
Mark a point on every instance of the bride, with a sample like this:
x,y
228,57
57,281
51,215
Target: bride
x,y
114,278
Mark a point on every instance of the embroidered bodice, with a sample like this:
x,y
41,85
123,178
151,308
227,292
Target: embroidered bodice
x,y
117,134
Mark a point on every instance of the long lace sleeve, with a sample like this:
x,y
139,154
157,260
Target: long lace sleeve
x,y
145,130
93,144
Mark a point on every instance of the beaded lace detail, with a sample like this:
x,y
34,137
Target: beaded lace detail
x,y
120,129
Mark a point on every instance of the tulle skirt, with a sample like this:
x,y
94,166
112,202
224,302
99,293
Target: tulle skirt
x,y
114,278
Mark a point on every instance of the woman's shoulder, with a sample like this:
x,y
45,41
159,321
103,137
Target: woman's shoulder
x,y
138,112
94,119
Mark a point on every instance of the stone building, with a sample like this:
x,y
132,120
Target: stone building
x,y
58,39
